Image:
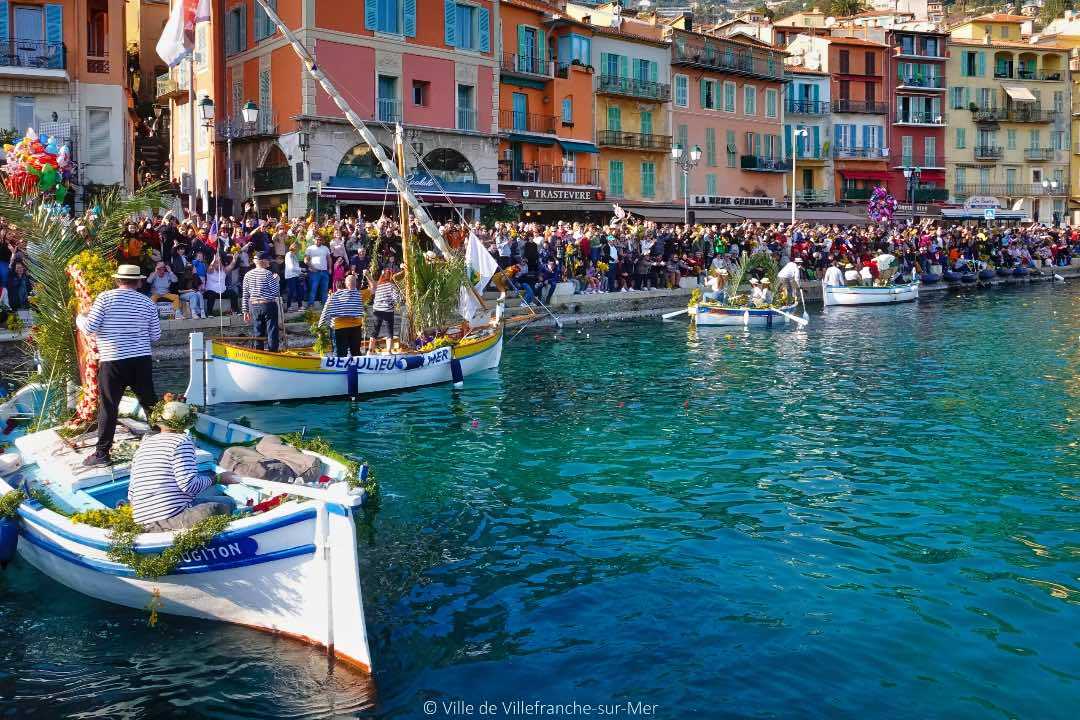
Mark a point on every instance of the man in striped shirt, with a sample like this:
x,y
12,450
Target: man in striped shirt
x,y
125,323
260,295
344,314
166,491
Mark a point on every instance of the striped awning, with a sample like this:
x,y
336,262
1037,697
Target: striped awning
x,y
1019,94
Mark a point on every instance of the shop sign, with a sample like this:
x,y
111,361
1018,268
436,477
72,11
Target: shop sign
x,y
982,202
557,194
732,201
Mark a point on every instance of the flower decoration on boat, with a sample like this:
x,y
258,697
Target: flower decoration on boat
x,y
882,205
37,166
90,275
174,414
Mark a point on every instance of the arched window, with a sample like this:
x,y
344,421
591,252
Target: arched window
x,y
449,166
360,162
275,158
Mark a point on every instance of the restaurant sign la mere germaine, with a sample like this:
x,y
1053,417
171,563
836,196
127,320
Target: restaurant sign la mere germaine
x,y
731,201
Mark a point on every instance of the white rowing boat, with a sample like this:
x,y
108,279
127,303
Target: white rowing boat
x,y
706,313
291,570
869,295
221,372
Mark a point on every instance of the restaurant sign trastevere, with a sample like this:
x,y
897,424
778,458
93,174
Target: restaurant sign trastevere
x,y
731,201
556,194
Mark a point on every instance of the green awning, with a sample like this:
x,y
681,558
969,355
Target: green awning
x,y
577,146
532,139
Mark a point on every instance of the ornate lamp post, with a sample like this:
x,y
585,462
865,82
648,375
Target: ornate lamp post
x,y
912,176
686,162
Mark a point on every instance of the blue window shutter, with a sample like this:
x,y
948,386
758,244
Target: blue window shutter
x,y
866,136
817,141
450,22
484,28
838,134
623,70
371,15
409,18
4,33
815,91
787,139
981,67
54,23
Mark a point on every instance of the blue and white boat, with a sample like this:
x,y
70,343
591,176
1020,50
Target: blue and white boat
x,y
290,570
708,313
869,294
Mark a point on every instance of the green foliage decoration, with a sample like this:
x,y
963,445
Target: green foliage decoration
x,y
9,504
317,444
155,565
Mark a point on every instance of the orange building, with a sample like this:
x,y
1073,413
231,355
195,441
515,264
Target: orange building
x,y
547,157
429,65
63,68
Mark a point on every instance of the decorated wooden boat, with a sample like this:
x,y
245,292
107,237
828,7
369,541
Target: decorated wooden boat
x,y
290,570
705,313
221,372
869,294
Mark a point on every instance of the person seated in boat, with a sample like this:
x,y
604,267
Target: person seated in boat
x,y
343,313
866,275
717,286
834,277
386,298
851,275
762,295
166,491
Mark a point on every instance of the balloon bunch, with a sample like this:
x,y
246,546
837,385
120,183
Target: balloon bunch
x,y
35,165
882,205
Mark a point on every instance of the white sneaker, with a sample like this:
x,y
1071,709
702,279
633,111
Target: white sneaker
x,y
178,315
623,290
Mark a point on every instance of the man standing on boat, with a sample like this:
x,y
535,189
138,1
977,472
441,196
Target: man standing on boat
x,y
833,276
261,292
789,277
125,324
344,314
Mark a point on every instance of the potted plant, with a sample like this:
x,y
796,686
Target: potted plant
x,y
973,107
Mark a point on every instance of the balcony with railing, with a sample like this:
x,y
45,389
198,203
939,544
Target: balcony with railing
x,y
860,106
272,178
806,107
631,87
1014,115
237,129
516,121
758,163
172,85
717,54
634,141
1038,154
920,82
919,118
988,152
526,65
811,154
387,110
856,193
858,153
466,119
98,62
920,161
913,51
1008,72
551,175
32,58
807,197
1010,190
931,194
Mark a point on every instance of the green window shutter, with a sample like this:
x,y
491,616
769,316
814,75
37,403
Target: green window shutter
x,y
980,67
54,23
683,137
787,140
450,23
646,122
614,118
523,45
604,63
623,72
4,14
541,51
371,14
409,18
654,71
815,93
817,141
710,146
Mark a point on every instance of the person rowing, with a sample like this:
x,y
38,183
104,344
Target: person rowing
x,y
344,314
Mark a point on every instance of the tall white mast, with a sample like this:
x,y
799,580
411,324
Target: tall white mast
x,y
428,225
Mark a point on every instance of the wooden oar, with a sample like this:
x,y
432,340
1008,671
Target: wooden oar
x,y
802,321
677,313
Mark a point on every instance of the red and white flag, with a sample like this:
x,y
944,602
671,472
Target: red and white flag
x,y
178,35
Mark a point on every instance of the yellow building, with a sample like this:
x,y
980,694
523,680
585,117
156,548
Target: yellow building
x,y
1008,118
1065,32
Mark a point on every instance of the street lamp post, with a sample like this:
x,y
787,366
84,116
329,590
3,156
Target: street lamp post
x,y
686,162
912,176
796,133
206,111
231,130
1047,186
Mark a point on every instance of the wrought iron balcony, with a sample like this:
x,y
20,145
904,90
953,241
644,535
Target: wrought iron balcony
x,y
757,163
988,152
806,107
919,161
636,141
272,178
513,64
1014,115
630,87
813,196
932,82
387,110
32,55
466,119
515,121
1011,190
860,106
931,194
857,193
236,129
717,54
919,118
551,175
1038,154
856,153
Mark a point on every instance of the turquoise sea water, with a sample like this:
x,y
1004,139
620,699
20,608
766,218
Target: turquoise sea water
x,y
876,518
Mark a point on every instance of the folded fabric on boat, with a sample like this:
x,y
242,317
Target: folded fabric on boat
x,y
303,466
248,462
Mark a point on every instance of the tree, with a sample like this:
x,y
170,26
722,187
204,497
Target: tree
x,y
843,8
1053,9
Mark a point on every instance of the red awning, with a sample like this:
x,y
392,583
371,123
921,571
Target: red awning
x,y
865,174
933,176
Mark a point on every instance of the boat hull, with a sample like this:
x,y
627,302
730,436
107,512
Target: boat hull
x,y
868,295
234,374
706,315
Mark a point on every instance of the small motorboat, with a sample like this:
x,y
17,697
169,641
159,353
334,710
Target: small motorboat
x,y
869,294
286,563
1004,272
987,274
929,278
951,276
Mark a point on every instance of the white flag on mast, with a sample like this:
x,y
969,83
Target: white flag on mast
x,y
481,266
178,36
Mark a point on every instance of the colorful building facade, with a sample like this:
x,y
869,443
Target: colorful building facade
x,y
808,134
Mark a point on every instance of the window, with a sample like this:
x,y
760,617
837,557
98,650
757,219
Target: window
x,y
1033,138
1010,139
264,28
961,138
682,91
749,100
708,94
466,110
1059,100
710,146
568,110
970,64
986,98
465,27
645,122
99,139
729,146
1010,179
729,96
648,179
772,102
961,177
845,62
870,89
1057,140
614,118
421,92
388,16
845,89
930,158
386,99
956,98
22,112
682,137
200,55
869,64
520,104
578,47
710,183
1004,31
907,151
907,44
615,177
235,30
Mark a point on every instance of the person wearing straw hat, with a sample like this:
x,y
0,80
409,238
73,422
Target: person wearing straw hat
x,y
125,324
166,491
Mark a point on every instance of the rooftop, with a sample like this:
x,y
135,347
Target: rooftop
x,y
1006,44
